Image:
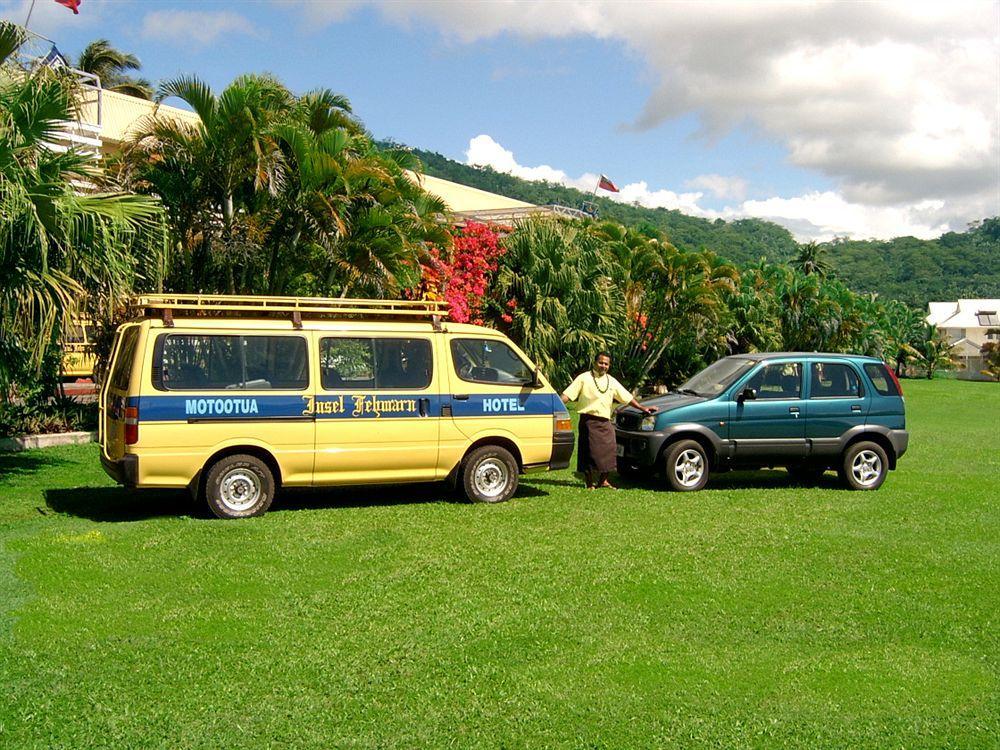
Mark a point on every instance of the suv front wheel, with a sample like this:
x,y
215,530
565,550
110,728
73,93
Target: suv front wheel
x,y
864,466
686,466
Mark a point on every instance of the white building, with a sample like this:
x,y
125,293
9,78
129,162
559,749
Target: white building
x,y
967,323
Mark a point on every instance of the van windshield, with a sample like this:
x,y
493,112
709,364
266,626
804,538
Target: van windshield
x,y
715,378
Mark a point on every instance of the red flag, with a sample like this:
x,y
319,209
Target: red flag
x,y
607,184
73,5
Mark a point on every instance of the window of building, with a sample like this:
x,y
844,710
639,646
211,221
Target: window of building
x,y
988,318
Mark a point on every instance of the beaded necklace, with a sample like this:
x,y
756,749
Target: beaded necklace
x,y
607,382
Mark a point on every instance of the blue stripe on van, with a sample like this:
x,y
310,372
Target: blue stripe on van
x,y
347,406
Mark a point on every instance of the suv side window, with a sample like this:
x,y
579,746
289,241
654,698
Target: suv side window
x,y
881,379
834,380
489,361
778,381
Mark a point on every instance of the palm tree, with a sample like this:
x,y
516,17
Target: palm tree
x,y
811,259
932,351
56,246
111,65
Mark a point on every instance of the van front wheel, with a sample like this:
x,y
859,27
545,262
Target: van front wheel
x,y
239,486
489,475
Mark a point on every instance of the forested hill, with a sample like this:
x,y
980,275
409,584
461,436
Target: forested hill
x,y
957,264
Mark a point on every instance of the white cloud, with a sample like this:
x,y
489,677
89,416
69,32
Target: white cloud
x,y
812,216
720,186
895,100
201,27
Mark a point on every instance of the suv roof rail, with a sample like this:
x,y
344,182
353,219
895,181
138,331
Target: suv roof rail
x,y
165,306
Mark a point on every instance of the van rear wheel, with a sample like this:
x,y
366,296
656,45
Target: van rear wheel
x,y
489,475
239,486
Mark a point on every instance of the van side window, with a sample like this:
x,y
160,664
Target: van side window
x,y
778,381
275,362
375,364
123,362
346,364
834,380
489,361
186,362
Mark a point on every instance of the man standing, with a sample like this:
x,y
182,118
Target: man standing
x,y
597,392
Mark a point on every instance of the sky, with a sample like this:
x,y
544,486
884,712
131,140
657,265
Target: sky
x,y
850,118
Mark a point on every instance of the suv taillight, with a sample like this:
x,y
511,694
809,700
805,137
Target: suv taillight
x,y
892,374
131,425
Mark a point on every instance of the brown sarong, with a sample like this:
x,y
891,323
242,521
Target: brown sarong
x,y
596,448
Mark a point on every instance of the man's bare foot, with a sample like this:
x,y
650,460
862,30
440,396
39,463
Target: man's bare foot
x,y
606,485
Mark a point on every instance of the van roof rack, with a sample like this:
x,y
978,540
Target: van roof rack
x,y
165,306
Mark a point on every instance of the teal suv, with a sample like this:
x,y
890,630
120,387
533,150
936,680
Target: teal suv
x,y
807,412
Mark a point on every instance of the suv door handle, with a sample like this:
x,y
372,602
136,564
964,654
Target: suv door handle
x,y
460,396
794,411
855,407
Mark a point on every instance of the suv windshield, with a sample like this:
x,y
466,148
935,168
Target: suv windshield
x,y
715,378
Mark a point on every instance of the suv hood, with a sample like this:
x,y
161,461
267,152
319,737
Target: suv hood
x,y
667,402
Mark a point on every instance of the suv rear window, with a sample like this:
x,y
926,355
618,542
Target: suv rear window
x,y
881,379
186,362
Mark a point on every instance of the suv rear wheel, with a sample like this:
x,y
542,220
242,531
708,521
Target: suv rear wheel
x,y
864,466
239,486
686,466
489,475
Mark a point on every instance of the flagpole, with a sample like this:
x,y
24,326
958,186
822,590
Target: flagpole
x,y
30,9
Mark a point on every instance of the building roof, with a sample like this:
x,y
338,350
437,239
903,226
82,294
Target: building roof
x,y
964,313
116,117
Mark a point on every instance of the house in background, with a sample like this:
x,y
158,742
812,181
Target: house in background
x,y
967,324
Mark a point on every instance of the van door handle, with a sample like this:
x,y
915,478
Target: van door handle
x,y
425,406
460,396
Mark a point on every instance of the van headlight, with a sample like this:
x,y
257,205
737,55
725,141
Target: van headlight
x,y
648,424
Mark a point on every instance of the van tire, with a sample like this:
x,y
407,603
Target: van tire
x,y
685,464
489,475
864,466
239,486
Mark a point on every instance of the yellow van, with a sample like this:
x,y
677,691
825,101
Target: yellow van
x,y
235,397
79,356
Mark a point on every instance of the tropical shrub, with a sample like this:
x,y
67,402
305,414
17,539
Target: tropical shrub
x,y
58,247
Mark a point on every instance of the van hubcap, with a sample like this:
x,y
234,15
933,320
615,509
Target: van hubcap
x,y
867,468
689,468
240,489
491,478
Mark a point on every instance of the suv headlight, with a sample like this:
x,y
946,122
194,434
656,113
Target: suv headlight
x,y
648,424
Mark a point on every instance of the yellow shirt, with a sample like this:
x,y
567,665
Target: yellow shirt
x,y
597,395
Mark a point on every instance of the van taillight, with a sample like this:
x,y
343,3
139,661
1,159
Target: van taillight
x,y
562,425
131,425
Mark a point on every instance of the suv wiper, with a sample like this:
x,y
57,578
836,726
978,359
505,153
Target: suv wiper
x,y
688,391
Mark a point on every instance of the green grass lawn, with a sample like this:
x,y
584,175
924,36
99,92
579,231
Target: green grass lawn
x,y
756,613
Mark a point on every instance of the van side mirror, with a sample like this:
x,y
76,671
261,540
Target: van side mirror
x,y
536,379
747,394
